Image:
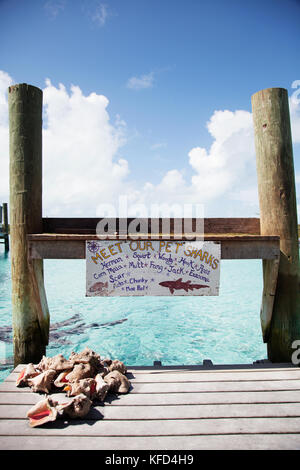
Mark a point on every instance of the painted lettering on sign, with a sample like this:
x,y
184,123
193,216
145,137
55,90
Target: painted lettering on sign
x,y
144,267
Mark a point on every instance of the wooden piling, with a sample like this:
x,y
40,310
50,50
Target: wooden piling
x,y
29,307
5,227
278,213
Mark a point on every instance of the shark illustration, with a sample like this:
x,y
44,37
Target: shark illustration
x,y
99,287
179,284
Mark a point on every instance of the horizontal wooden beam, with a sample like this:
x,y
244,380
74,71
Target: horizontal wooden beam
x,y
211,225
59,246
154,236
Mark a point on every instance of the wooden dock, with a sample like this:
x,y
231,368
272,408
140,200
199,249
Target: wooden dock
x,y
171,408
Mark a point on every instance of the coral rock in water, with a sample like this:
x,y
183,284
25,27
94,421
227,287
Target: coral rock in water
x,y
42,412
27,373
58,363
42,382
117,382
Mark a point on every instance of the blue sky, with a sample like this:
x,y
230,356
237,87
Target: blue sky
x,y
174,81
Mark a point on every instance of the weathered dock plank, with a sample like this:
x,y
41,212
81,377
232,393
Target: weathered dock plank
x,y
186,427
203,442
180,408
157,412
147,399
195,386
233,246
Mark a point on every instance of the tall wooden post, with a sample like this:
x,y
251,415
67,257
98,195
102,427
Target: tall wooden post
x,y
5,227
278,213
29,305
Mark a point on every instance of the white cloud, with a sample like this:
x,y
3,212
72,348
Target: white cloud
x,y
294,102
142,82
54,7
5,82
222,177
100,14
230,158
80,148
83,168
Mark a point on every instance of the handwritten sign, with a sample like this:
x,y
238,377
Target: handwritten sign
x,y
144,267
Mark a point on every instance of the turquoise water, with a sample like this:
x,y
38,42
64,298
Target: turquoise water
x,y
140,330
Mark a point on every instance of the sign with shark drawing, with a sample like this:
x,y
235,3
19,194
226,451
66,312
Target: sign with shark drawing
x,y
148,267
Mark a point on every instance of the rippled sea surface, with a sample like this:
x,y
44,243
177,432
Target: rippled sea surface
x,y
140,330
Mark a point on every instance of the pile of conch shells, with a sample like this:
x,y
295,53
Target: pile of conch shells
x,y
84,376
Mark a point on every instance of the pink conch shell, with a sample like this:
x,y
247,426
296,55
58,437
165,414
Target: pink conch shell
x,y
61,380
84,376
106,362
27,373
85,386
44,411
117,365
118,383
87,356
80,371
78,407
93,388
103,372
58,363
42,382
101,388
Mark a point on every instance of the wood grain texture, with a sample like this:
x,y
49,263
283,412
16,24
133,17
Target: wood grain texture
x,y
210,225
270,276
72,246
250,407
262,410
184,443
30,314
191,427
194,387
278,212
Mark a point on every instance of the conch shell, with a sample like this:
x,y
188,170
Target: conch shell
x,y
42,412
87,356
85,386
61,380
101,388
118,383
93,388
58,363
27,373
48,410
106,362
42,382
84,376
117,365
78,407
80,371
